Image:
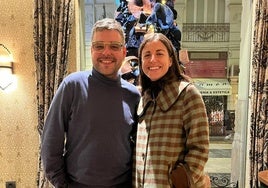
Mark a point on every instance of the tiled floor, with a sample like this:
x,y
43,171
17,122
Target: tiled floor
x,y
219,163
219,158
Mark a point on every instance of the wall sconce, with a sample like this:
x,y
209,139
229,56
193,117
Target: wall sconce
x,y
6,67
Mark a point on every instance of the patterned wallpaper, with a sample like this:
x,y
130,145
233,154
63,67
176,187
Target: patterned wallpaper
x,y
19,140
18,115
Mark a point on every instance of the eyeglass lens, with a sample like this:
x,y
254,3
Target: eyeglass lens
x,y
100,46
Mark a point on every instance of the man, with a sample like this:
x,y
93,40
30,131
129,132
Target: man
x,y
88,133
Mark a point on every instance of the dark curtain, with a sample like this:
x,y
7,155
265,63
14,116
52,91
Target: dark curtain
x,y
52,27
259,94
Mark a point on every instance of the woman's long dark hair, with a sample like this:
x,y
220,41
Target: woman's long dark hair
x,y
174,72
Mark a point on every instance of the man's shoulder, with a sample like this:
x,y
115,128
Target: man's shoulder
x,y
77,76
132,88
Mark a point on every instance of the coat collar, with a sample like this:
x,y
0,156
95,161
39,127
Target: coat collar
x,y
167,96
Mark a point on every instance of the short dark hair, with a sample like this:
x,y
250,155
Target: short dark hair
x,y
108,24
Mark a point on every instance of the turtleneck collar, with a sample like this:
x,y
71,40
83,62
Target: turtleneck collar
x,y
155,89
104,79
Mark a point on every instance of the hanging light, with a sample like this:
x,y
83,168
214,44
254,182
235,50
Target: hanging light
x,y
6,67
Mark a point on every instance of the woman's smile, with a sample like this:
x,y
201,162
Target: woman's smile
x,y
155,60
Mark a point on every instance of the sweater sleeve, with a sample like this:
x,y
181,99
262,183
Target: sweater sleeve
x,y
197,131
53,138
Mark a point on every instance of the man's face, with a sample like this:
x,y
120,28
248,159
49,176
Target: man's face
x,y
108,52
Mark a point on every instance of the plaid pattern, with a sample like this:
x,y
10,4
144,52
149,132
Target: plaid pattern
x,y
162,138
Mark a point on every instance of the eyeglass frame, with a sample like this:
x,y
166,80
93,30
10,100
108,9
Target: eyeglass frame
x,y
120,45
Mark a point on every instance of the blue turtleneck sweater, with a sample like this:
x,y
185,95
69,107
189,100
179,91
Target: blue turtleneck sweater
x,y
86,137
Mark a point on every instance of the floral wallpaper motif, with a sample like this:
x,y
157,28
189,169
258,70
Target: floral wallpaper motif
x,y
18,135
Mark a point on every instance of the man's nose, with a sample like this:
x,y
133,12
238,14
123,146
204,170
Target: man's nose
x,y
107,49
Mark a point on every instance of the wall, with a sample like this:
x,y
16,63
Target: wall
x,y
232,47
18,134
19,140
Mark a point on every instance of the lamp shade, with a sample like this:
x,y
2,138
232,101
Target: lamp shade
x,y
6,67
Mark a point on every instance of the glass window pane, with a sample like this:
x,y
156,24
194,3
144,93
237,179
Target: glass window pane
x,y
190,11
221,11
211,11
200,11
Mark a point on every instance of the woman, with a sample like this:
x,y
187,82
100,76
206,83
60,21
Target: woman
x,y
173,125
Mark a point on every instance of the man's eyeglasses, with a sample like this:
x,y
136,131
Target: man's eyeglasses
x,y
113,46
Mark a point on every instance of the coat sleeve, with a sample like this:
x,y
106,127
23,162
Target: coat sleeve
x,y
197,132
53,138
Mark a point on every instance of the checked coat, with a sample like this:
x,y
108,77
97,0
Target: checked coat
x,y
172,127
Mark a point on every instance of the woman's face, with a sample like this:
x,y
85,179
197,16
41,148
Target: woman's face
x,y
155,60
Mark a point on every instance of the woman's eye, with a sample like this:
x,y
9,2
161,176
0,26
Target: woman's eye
x,y
159,54
146,55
